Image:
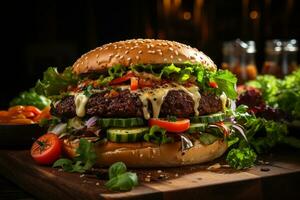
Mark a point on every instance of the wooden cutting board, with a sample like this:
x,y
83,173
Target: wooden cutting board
x,y
277,177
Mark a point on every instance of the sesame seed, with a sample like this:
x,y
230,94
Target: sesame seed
x,y
126,52
179,59
141,155
171,56
160,53
137,57
176,53
171,49
140,51
165,59
152,52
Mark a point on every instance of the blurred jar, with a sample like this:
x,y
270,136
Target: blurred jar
x,y
239,58
281,57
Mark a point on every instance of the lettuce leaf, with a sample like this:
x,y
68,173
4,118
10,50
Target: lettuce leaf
x,y
53,82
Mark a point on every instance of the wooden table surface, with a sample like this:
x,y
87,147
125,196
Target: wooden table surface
x,y
277,178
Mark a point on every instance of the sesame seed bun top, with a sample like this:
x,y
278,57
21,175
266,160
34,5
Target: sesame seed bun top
x,y
140,51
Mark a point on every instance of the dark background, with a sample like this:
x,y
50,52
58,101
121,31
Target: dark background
x,y
39,34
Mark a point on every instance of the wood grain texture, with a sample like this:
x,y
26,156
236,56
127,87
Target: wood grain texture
x,y
280,180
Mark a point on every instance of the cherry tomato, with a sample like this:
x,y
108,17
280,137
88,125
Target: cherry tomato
x,y
178,126
46,149
134,83
122,79
213,84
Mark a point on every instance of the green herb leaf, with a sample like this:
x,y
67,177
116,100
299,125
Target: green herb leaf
x,y
241,158
116,169
122,182
86,154
84,161
157,135
226,83
207,138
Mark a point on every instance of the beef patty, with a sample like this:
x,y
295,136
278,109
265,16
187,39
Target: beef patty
x,y
127,104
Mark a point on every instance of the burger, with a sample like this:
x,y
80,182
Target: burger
x,y
147,103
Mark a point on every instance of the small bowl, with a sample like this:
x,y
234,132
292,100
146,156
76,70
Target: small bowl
x,y
19,136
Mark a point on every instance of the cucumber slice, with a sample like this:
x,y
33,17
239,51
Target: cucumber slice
x,y
217,117
120,122
197,127
126,134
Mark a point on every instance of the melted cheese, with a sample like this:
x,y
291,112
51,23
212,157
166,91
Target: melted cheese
x,y
157,95
80,102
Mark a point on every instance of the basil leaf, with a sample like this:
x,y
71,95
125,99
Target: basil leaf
x,y
123,182
116,169
65,164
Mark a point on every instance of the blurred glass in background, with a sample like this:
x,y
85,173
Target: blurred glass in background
x,y
280,57
239,58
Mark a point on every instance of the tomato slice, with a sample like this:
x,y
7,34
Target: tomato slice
x,y
213,84
46,149
178,126
134,83
122,79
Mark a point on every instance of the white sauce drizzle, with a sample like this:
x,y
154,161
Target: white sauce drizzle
x,y
157,95
80,102
223,99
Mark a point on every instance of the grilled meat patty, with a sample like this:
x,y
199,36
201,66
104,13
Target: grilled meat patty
x,y
127,104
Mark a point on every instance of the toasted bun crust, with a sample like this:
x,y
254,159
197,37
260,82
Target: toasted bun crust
x,y
143,154
139,51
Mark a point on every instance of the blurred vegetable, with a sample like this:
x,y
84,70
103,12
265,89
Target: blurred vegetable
x,y
24,115
283,94
31,98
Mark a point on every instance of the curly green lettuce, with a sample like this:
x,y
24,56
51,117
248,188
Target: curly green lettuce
x,y
53,82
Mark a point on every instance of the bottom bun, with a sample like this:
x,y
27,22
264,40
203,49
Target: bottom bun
x,y
144,154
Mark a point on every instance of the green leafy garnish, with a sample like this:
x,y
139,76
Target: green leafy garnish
x,y
85,159
241,158
226,83
119,179
281,93
53,82
157,135
207,138
31,98
113,72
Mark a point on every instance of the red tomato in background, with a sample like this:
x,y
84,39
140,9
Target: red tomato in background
x,y
46,149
